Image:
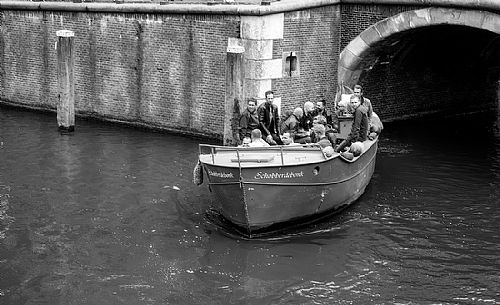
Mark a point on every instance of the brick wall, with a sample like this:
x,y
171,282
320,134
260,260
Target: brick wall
x,y
168,71
27,74
164,71
314,35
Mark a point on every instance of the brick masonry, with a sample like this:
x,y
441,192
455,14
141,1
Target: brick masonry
x,y
164,71
315,36
168,71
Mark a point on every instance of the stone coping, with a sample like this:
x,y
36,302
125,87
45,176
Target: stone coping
x,y
229,7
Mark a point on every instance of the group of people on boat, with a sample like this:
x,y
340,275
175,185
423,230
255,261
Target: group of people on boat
x,y
260,125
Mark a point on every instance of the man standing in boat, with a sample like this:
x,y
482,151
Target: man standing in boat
x,y
358,91
359,129
374,123
269,120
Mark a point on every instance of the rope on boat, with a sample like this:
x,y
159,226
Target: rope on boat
x,y
198,173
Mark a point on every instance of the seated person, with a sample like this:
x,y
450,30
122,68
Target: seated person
x,y
331,119
299,133
319,119
321,110
309,114
249,119
329,131
287,139
257,140
302,136
284,117
320,136
304,132
292,123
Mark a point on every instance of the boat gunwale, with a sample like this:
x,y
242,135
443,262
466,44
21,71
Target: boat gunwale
x,y
241,181
278,148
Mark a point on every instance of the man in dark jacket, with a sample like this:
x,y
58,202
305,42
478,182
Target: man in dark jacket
x,y
358,91
249,119
269,120
292,123
331,119
359,127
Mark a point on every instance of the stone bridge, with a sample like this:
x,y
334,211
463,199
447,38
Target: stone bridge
x,y
428,60
381,38
189,66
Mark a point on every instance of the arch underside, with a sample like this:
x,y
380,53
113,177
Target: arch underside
x,y
388,36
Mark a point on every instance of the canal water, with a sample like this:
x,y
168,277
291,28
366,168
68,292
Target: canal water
x,y
109,215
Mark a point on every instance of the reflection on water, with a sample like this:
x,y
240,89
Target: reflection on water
x,y
109,215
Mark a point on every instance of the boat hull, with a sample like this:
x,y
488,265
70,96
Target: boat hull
x,y
259,199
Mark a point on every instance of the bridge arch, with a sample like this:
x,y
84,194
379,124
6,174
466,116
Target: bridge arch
x,y
362,52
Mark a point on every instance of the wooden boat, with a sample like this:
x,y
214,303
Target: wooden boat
x,y
261,190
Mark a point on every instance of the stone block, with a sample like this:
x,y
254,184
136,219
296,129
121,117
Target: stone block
x,y
444,15
357,46
386,27
370,36
256,88
393,25
471,18
348,59
354,78
262,27
263,69
491,23
401,22
343,74
349,77
258,49
419,18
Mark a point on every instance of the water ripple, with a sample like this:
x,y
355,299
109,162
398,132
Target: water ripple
x,y
109,215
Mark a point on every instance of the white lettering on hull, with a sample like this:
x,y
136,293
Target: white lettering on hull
x,y
288,175
220,175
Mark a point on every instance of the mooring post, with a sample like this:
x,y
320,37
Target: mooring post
x,y
65,79
234,91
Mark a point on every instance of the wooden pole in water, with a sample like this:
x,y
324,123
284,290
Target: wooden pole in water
x,y
234,91
65,80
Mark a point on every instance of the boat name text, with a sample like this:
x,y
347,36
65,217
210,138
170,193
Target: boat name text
x,y
288,175
220,175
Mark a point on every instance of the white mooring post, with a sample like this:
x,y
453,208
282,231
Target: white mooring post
x,y
65,80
